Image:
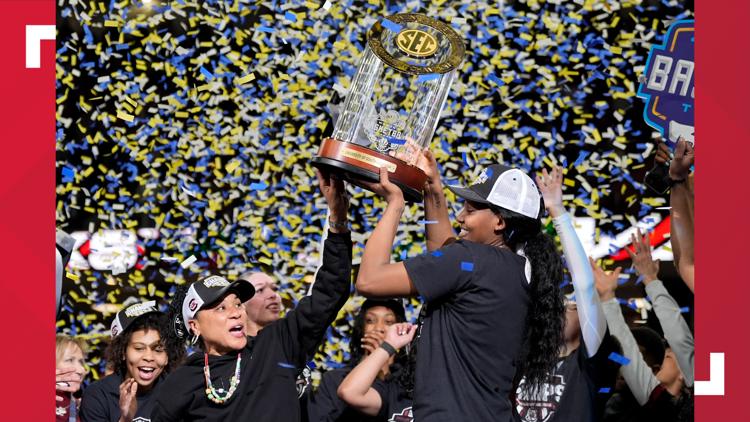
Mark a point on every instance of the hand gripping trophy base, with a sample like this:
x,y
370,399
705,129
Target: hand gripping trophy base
x,y
357,163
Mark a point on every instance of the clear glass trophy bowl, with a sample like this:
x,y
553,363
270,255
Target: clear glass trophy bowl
x,y
394,102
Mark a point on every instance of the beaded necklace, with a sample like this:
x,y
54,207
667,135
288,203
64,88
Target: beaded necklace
x,y
216,395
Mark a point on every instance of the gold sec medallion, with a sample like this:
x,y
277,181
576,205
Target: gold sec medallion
x,y
416,43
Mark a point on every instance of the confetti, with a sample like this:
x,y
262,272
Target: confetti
x,y
467,266
188,262
198,120
622,360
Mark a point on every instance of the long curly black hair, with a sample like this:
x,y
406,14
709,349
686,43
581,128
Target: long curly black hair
x,y
117,348
546,315
404,364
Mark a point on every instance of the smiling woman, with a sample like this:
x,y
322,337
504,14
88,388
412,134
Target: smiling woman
x,y
142,351
244,374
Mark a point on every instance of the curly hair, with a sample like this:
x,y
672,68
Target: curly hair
x,y
117,349
545,319
403,366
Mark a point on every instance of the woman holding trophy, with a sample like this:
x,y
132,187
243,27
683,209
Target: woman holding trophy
x,y
494,312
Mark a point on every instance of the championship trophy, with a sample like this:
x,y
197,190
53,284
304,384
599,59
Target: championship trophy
x,y
394,102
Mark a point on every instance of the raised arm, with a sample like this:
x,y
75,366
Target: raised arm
x,y
681,203
437,223
378,277
307,323
590,313
637,373
675,328
356,389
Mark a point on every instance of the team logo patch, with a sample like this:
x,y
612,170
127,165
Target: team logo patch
x,y
540,407
192,305
140,309
215,281
486,174
406,415
115,331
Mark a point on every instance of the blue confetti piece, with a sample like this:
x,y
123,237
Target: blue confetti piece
x,y
286,365
258,186
68,174
208,75
428,221
390,25
428,77
266,29
685,309
437,254
496,80
291,16
605,390
467,266
618,358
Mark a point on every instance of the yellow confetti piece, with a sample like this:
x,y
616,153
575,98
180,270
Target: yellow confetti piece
x,y
246,79
125,116
72,276
231,166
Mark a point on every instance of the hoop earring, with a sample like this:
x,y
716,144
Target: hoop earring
x,y
194,339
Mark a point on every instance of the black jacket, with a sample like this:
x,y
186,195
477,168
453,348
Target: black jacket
x,y
270,361
101,400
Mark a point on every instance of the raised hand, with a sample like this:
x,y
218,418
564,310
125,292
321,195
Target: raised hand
x,y
401,334
128,402
334,191
606,283
663,154
684,157
386,189
550,185
428,164
641,256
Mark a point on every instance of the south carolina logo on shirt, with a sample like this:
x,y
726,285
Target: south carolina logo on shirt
x,y
541,406
404,416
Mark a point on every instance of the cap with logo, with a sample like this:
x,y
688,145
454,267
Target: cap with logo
x,y
210,290
127,316
504,187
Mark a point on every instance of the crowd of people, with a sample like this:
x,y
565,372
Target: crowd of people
x,y
499,336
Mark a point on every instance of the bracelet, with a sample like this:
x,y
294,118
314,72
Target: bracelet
x,y
338,225
388,348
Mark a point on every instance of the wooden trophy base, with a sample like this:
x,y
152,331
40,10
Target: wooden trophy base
x,y
357,163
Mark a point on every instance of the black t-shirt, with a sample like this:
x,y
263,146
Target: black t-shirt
x,y
661,407
477,299
572,392
396,407
101,401
326,406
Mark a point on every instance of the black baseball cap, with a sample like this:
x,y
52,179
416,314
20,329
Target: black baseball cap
x,y
209,290
397,306
127,316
